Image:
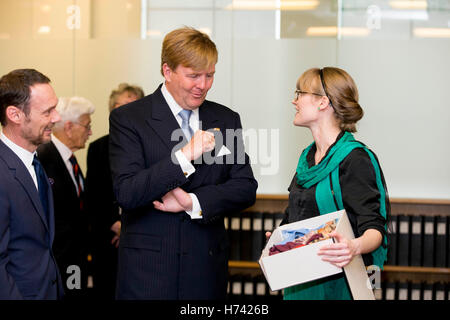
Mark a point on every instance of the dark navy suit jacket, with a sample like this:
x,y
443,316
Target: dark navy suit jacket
x,y
27,266
71,222
165,255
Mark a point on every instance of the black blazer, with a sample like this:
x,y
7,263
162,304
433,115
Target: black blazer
x,y
103,211
71,224
28,268
101,204
168,255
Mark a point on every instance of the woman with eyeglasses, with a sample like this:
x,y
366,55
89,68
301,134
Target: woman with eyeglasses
x,y
336,172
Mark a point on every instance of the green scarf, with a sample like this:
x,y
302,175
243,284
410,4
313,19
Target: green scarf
x,y
325,174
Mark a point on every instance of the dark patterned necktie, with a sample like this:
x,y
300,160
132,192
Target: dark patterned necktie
x,y
78,177
42,184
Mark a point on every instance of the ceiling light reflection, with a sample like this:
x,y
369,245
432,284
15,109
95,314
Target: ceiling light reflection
x,y
333,31
273,5
44,29
431,32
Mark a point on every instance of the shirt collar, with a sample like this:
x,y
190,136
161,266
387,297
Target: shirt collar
x,y
23,154
63,150
173,105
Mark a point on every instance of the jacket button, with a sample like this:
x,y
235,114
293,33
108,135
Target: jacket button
x,y
53,282
210,253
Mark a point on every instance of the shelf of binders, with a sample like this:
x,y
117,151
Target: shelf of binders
x,y
390,273
418,232
418,262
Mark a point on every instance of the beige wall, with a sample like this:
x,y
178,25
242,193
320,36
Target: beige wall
x,y
402,78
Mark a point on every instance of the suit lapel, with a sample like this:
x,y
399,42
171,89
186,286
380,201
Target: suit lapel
x,y
59,169
163,122
22,175
56,172
51,210
209,120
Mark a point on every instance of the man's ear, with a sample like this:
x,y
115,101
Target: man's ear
x,y
14,114
68,125
167,72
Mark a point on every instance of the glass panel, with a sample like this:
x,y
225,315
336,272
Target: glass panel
x,y
401,67
116,19
39,34
309,19
396,50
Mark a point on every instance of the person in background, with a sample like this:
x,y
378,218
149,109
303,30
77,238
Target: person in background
x,y
173,243
71,221
336,172
28,269
104,212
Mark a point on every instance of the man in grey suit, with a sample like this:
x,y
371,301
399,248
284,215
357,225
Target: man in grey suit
x,y
27,113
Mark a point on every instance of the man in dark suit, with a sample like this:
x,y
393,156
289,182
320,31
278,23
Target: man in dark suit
x,y
173,243
71,221
28,269
102,205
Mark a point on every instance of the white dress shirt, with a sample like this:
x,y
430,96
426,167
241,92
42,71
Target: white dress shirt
x,y
185,164
24,155
66,153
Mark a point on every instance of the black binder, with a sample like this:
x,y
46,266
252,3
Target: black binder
x,y
416,231
439,291
416,291
441,242
404,291
429,239
392,241
427,291
248,287
236,289
226,220
234,232
390,291
447,258
273,295
246,236
447,290
260,287
267,225
403,241
277,218
257,236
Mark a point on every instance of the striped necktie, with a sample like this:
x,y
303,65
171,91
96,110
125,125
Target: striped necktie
x,y
78,178
187,130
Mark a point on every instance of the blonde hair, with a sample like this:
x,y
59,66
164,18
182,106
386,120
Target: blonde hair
x,y
341,90
188,47
124,87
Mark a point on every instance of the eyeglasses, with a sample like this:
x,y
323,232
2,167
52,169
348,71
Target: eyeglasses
x,y
86,126
299,92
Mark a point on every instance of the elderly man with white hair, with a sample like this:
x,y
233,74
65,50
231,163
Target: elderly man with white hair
x,y
71,220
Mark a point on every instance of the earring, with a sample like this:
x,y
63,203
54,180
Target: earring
x,y
318,108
